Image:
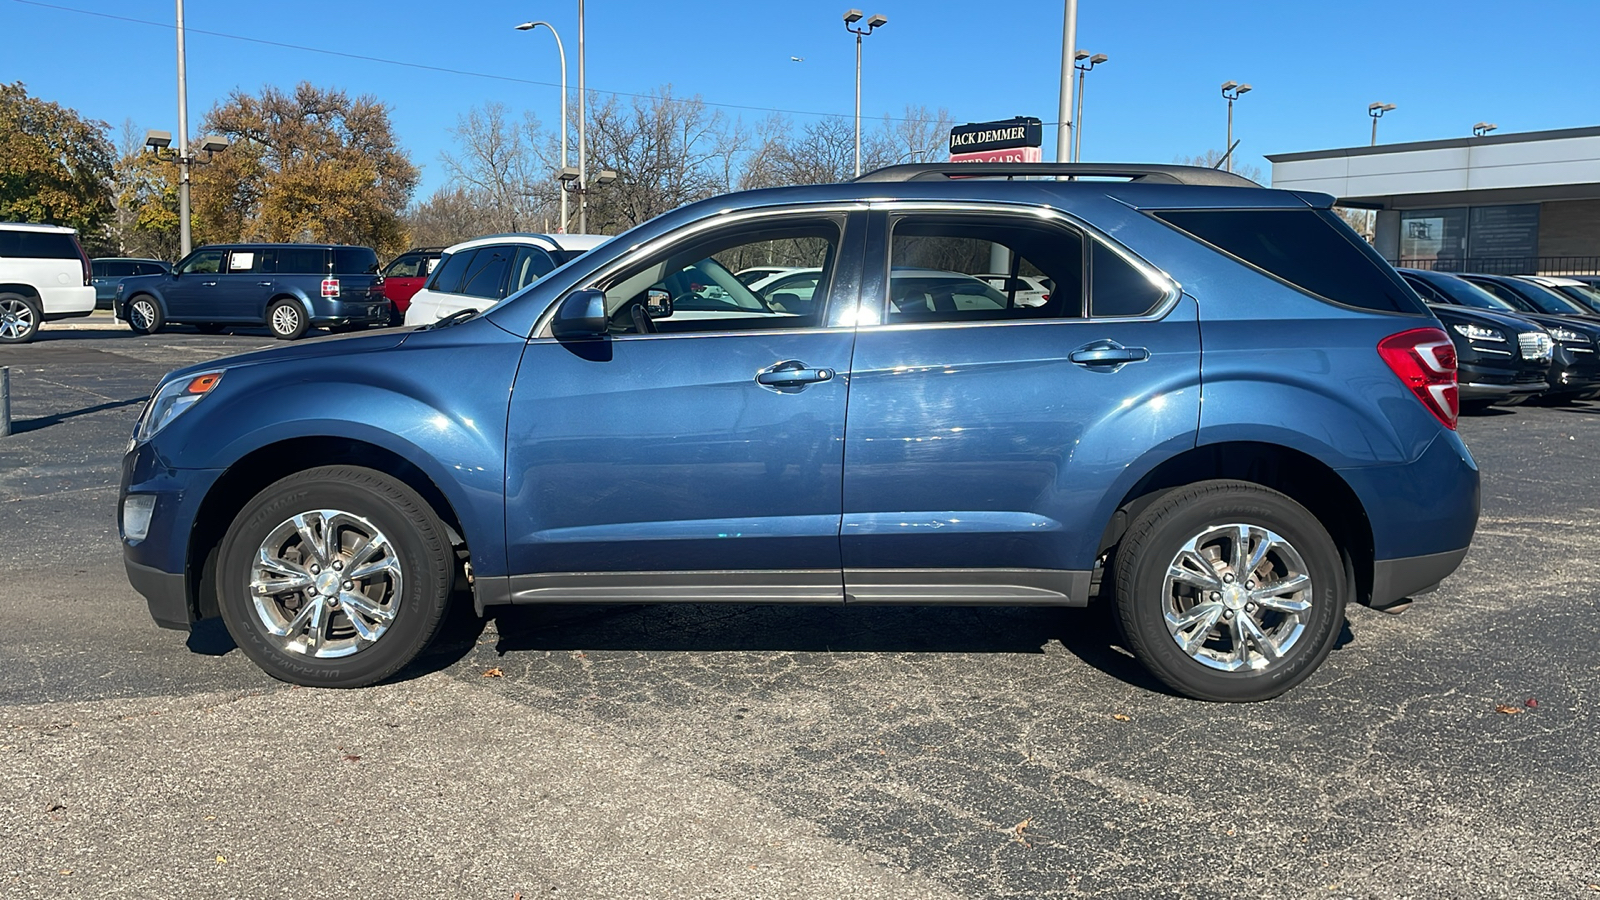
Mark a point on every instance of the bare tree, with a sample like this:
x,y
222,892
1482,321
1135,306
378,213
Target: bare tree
x,y
920,136
449,216
499,163
666,151
1212,159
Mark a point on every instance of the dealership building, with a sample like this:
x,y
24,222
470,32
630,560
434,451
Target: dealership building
x,y
1513,203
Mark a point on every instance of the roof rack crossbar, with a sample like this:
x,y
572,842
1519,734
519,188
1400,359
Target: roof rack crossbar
x,y
1143,172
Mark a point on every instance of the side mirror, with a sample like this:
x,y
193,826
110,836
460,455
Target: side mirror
x,y
657,303
582,314
783,301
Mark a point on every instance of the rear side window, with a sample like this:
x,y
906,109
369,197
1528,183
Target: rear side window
x,y
37,245
302,261
1116,288
447,278
355,261
1311,249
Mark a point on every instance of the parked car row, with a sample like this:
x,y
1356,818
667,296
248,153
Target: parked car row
x,y
1516,337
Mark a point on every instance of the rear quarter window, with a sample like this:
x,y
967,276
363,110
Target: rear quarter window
x,y
302,261
37,245
1311,249
355,261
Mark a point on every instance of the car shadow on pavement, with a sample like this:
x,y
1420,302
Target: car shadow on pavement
x,y
21,426
1088,634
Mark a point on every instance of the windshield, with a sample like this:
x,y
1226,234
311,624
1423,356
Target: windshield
x,y
1582,293
1546,300
1485,295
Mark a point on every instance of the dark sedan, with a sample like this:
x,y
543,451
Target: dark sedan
x,y
1574,366
1499,358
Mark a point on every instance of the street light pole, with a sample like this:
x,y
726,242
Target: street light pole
x,y
1069,50
1231,91
851,17
1077,137
1376,111
184,236
529,26
583,145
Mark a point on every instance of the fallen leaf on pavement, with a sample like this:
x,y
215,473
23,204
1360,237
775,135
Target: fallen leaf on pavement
x,y
1508,710
494,673
1531,703
1122,718
1018,829
351,757
222,860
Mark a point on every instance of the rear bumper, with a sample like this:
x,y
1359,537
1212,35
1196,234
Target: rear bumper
x,y
367,310
1394,579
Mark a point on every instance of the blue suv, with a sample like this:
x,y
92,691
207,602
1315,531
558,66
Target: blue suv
x,y
1228,417
287,287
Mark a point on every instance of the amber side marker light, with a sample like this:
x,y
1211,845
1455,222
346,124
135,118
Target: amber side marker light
x,y
204,383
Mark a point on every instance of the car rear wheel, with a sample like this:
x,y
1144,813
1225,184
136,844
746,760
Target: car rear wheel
x,y
287,320
144,315
19,319
1229,591
335,577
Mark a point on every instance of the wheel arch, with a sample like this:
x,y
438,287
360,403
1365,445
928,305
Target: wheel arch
x,y
266,464
1302,477
27,290
293,297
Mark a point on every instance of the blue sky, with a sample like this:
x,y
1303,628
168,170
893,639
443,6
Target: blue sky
x,y
1315,65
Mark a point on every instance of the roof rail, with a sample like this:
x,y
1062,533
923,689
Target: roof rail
x,y
1145,172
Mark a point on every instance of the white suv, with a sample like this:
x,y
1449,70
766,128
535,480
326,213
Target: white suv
x,y
44,275
479,273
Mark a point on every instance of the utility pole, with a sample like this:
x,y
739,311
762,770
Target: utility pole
x,y
583,145
1069,49
184,237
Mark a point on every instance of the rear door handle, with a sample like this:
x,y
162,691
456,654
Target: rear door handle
x,y
1107,353
208,284
264,284
792,373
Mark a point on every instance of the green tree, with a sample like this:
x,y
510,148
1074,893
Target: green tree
x,y
55,165
311,165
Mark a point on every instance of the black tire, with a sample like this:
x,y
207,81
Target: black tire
x,y
20,317
1152,545
210,327
144,314
416,543
287,320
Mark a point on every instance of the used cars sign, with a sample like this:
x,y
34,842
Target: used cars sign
x,y
1012,140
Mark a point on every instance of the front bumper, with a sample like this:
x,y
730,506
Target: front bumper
x,y
158,564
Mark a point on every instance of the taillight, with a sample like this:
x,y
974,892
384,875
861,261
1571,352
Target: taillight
x,y
88,274
1425,361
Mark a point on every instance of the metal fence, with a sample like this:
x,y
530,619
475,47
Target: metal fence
x,y
1508,265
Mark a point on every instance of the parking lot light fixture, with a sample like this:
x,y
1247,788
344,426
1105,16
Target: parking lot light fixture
x,y
561,51
1376,111
158,140
1483,128
1085,64
851,17
1231,91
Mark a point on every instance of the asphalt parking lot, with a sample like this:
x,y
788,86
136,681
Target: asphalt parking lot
x,y
747,751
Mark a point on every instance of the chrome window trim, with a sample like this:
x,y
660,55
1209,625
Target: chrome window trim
x,y
642,251
1157,276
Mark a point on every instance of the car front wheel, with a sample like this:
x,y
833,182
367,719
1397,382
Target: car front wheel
x,y
144,316
334,577
1229,591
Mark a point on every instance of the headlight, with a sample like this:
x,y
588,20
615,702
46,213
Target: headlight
x,y
1568,336
170,400
1479,333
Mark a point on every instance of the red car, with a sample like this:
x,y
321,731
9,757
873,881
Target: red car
x,y
405,276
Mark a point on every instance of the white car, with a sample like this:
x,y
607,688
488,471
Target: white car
x,y
1031,291
44,275
753,274
479,273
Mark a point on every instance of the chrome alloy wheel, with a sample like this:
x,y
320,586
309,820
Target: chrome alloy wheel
x,y
1236,597
142,314
285,319
16,319
326,583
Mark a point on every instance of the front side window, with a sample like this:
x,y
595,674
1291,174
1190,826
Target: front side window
x,y
981,268
203,262
409,266
530,265
693,288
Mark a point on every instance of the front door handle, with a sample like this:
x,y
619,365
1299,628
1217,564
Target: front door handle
x,y
792,374
208,284
1107,354
264,284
